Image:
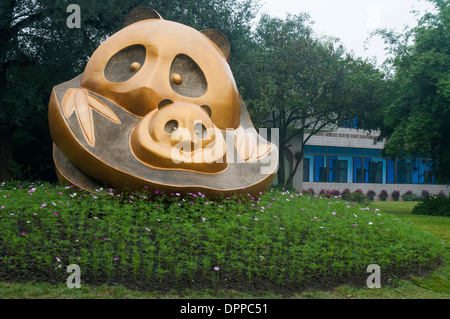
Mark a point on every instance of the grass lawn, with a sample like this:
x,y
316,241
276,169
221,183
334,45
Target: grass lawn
x,y
435,286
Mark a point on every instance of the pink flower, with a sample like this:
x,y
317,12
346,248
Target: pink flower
x,y
147,229
216,268
3,207
57,259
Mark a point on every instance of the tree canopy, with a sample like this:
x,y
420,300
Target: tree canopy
x,y
38,50
416,116
307,84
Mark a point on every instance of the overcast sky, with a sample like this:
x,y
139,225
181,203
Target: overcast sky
x,y
353,20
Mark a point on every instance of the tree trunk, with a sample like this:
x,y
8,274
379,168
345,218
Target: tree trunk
x,y
5,154
281,157
290,180
298,158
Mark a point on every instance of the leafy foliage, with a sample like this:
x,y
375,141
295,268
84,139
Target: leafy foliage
x,y
38,50
307,84
438,205
417,113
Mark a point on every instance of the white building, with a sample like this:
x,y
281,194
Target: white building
x,y
348,158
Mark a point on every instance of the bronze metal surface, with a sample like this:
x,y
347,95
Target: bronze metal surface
x,y
154,107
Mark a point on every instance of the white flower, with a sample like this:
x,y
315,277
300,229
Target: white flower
x,y
370,223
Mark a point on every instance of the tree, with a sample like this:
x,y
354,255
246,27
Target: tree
x,y
417,112
38,50
307,85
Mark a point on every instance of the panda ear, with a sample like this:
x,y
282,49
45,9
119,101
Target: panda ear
x,y
140,13
220,40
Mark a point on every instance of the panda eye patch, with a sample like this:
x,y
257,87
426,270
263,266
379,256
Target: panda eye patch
x,y
124,64
186,77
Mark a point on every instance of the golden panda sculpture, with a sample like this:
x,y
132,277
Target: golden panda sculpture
x,y
157,107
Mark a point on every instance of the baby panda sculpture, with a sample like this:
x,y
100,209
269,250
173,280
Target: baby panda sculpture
x,y
157,107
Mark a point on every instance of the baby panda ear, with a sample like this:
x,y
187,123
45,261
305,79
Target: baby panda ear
x,y
220,40
140,13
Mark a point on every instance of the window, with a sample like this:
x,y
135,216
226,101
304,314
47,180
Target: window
x,y
317,149
357,170
425,175
375,172
319,169
332,175
372,152
306,165
353,151
338,170
336,150
415,172
404,172
390,171
342,171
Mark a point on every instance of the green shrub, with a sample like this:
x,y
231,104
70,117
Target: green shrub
x,y
356,197
433,205
409,196
383,194
396,195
